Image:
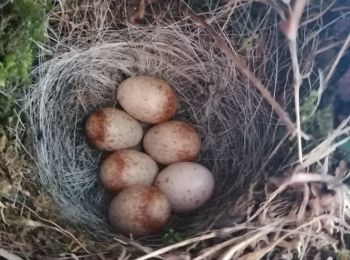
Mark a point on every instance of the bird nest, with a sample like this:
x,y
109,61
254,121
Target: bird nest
x,y
222,66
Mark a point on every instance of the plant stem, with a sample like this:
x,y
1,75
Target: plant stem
x,y
223,44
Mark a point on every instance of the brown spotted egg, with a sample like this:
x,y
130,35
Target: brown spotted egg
x,y
187,185
148,99
125,168
171,142
139,210
111,129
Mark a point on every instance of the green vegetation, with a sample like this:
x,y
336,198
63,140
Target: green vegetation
x,y
318,123
171,237
22,25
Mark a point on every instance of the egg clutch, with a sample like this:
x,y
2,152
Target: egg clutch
x,y
145,196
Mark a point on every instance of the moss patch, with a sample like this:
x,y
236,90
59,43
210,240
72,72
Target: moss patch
x,y
22,25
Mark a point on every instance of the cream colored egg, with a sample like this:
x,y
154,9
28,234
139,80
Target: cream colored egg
x,y
172,142
187,185
148,99
125,168
111,129
139,210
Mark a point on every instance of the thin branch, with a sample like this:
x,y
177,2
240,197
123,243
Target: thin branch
x,y
304,204
223,44
319,15
327,146
56,227
320,91
290,26
5,3
290,29
214,249
241,246
297,83
7,255
273,153
339,56
181,244
210,235
328,47
297,177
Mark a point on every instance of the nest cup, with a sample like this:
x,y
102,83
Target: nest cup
x,y
233,122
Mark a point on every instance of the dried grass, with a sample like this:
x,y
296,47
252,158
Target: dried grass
x,y
212,97
244,144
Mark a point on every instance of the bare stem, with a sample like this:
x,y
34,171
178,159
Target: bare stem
x,y
7,255
290,29
223,44
297,83
339,56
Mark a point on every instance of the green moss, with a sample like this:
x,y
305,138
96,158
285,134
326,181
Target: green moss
x,y
22,25
171,237
319,123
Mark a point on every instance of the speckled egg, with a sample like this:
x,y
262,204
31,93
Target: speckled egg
x,y
139,210
148,99
187,185
125,168
171,142
111,129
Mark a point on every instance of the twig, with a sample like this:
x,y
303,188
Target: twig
x,y
339,56
297,83
290,29
258,254
328,47
233,250
297,177
181,244
223,44
319,15
273,153
327,146
54,226
5,3
210,235
212,250
302,209
291,232
320,91
7,255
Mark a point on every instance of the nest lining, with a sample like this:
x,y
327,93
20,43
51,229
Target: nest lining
x,y
233,121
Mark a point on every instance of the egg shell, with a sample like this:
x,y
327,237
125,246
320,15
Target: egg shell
x,y
187,185
148,99
126,168
111,129
171,142
139,210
